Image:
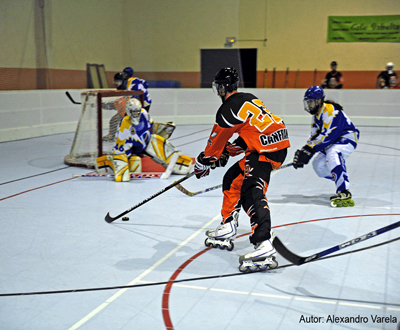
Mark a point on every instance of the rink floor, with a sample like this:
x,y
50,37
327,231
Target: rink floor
x,y
63,267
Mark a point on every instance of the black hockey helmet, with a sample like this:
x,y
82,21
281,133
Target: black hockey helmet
x,y
226,80
119,76
119,80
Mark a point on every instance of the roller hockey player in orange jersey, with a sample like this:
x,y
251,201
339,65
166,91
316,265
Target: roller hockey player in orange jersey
x,y
264,139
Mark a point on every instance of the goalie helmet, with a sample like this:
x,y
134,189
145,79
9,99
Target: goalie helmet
x,y
134,110
313,99
226,80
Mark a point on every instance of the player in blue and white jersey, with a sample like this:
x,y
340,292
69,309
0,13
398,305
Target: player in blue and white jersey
x,y
137,84
333,139
137,136
134,131
126,81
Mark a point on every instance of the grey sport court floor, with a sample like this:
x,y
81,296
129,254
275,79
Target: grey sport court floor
x,y
63,267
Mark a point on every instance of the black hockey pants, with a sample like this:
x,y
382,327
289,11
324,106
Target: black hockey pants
x,y
245,184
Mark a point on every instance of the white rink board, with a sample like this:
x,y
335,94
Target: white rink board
x,y
26,114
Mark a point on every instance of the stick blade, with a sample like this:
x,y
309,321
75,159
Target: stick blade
x,y
108,218
170,167
184,190
71,99
284,252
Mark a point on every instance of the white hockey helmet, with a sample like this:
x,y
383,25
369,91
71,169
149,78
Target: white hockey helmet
x,y
133,110
389,67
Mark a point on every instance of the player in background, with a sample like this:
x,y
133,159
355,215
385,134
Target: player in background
x,y
334,138
137,84
263,139
125,81
333,79
136,137
118,105
120,82
387,79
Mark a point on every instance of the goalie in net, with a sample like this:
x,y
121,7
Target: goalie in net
x,y
138,135
102,111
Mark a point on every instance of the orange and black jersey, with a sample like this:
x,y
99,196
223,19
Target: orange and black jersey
x,y
246,115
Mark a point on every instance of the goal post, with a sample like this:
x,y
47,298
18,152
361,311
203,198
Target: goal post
x,y
102,111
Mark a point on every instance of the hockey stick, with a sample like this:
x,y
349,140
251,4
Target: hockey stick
x,y
170,167
284,166
71,99
191,194
133,175
298,260
110,219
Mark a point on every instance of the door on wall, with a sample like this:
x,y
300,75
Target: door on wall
x,y
244,60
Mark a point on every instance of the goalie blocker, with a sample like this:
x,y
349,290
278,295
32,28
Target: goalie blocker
x,y
159,149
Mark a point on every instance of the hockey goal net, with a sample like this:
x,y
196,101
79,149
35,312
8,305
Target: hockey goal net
x,y
102,111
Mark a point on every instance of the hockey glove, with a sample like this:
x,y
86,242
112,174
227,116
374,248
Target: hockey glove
x,y
221,162
202,166
236,147
302,156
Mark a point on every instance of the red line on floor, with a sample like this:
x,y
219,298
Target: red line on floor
x,y
168,286
47,185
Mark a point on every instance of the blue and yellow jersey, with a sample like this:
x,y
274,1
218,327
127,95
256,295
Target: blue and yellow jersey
x,y
331,126
133,139
137,84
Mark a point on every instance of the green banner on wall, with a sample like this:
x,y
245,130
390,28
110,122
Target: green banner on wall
x,y
364,28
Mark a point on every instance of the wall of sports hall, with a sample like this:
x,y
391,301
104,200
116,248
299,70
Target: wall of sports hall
x,y
46,45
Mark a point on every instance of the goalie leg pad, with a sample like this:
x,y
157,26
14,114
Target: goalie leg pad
x,y
164,130
161,150
183,165
121,168
135,164
104,165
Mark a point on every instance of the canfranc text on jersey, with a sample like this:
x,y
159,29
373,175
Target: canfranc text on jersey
x,y
275,137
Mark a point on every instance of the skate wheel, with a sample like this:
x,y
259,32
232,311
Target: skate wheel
x,y
243,269
263,267
230,247
253,268
274,264
222,247
351,203
207,243
333,204
345,204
